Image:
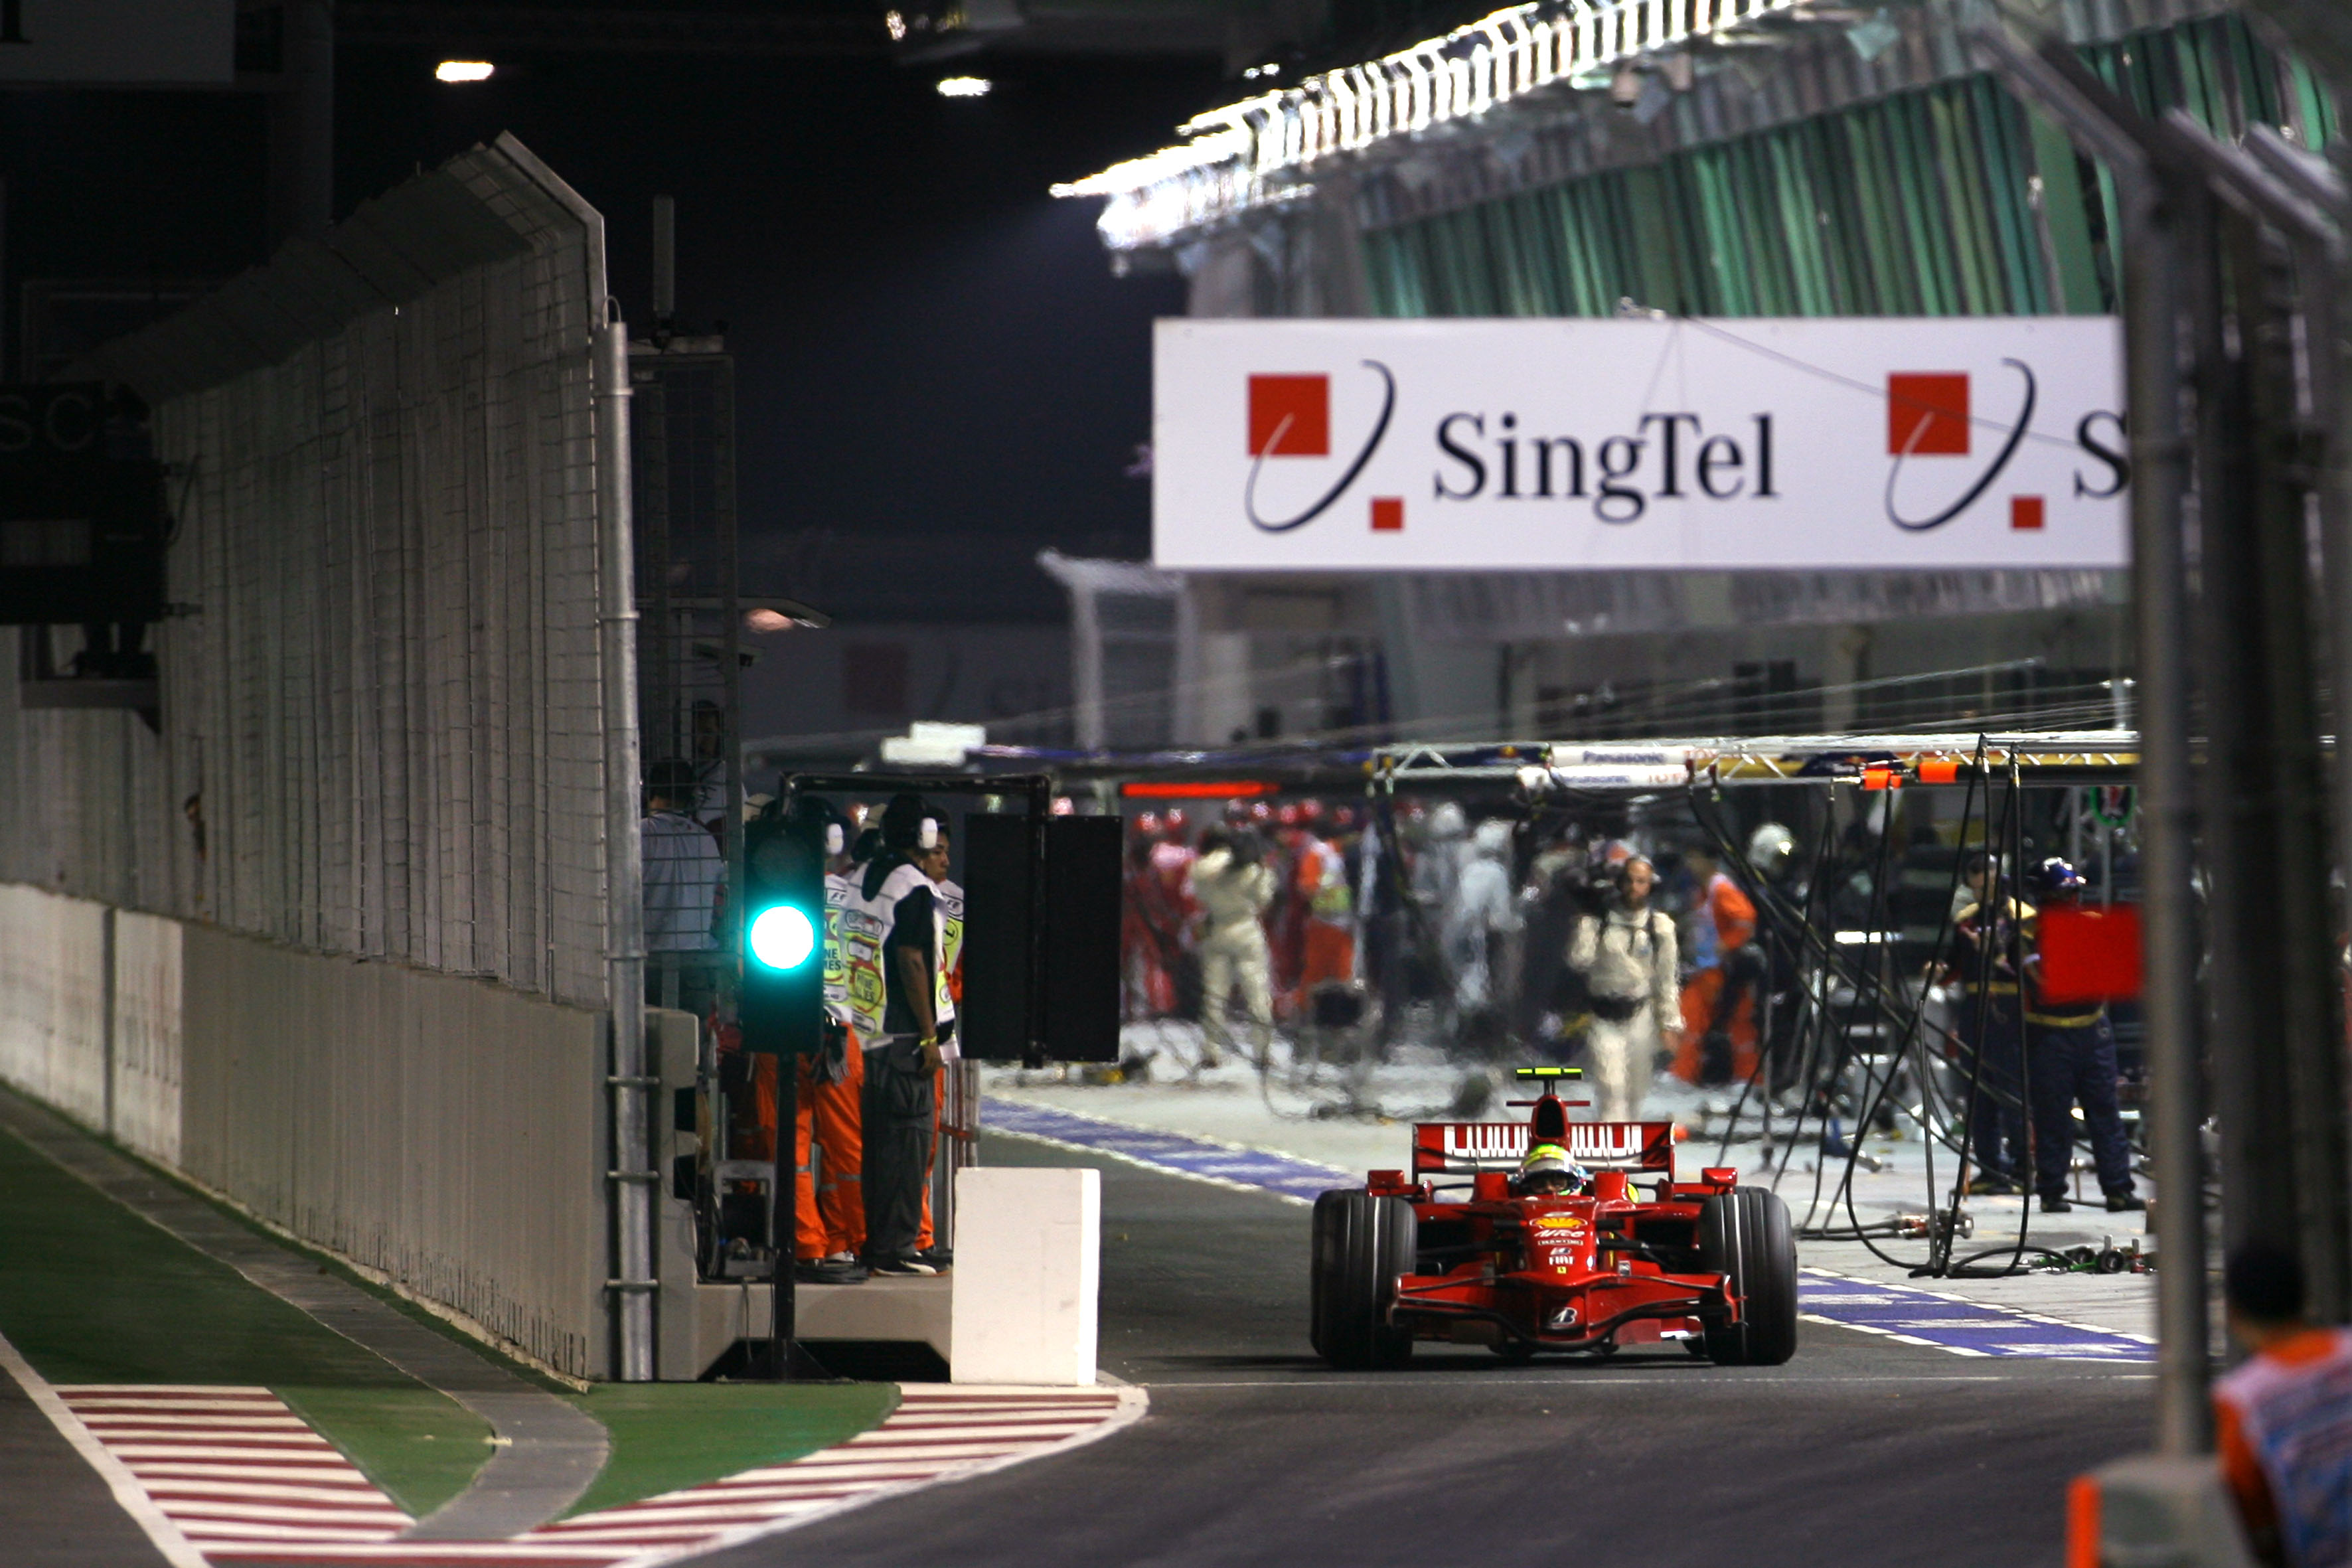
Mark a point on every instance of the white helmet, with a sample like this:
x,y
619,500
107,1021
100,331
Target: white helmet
x,y
1769,846
1447,821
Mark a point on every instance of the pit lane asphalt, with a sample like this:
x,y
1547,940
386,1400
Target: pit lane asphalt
x,y
1858,1451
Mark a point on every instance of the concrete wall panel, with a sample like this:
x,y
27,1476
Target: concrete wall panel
x,y
52,1000
146,1054
444,1131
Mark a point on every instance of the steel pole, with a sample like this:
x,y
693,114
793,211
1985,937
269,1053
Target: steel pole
x,y
2153,228
632,1175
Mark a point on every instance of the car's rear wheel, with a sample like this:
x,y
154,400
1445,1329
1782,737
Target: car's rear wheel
x,y
1362,1244
1745,1235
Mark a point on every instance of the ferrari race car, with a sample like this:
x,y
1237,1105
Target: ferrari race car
x,y
1618,1261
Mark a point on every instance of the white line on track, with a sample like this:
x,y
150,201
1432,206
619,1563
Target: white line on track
x,y
177,1549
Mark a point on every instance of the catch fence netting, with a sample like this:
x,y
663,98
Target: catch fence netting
x,y
378,727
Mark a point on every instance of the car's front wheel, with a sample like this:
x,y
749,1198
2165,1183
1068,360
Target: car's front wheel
x,y
1362,1245
1746,1236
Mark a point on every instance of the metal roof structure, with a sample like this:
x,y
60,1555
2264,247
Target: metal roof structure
x,y
1501,103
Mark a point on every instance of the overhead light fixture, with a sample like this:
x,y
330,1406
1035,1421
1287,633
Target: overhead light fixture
x,y
463,70
896,25
782,615
964,87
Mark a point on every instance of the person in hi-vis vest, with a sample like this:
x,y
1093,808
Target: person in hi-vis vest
x,y
831,1206
902,1063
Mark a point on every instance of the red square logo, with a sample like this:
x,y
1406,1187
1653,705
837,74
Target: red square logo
x,y
1388,515
1928,415
2025,512
1290,416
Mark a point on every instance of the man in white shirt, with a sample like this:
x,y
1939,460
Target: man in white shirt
x,y
683,869
1231,885
1627,956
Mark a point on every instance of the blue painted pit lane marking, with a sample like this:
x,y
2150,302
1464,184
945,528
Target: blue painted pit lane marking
x,y
1203,1159
1954,1323
1904,1313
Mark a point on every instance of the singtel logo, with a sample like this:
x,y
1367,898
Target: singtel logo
x,y
1487,457
1290,416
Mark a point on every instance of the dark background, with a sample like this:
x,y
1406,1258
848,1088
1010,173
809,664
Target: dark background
x,y
927,343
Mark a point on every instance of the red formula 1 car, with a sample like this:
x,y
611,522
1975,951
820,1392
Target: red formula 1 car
x,y
1620,1261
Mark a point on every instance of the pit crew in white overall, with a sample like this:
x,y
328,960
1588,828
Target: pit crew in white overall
x,y
1629,962
1232,888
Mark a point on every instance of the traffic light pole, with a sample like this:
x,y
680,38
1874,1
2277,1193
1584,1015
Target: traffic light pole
x,y
783,1359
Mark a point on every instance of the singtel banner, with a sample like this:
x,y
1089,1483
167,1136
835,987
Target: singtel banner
x,y
1868,443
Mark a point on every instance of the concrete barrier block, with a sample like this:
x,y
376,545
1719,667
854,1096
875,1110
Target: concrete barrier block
x,y
1028,1265
2150,1512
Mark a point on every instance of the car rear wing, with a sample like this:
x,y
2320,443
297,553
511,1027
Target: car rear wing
x,y
1465,1147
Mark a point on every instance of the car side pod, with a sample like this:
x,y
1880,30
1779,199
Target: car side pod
x,y
1363,1242
1745,1235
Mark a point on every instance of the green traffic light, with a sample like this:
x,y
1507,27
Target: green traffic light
x,y
781,937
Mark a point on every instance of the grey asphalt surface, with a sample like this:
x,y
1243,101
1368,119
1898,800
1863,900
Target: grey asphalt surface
x,y
1858,1451
55,1510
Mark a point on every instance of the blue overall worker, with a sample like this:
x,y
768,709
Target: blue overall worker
x,y
2071,1059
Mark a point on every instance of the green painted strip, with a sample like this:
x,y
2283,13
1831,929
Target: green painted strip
x,y
403,1439
91,1293
669,1436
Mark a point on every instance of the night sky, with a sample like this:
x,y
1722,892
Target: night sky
x,y
926,343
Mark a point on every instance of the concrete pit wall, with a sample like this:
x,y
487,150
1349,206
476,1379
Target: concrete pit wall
x,y
445,1131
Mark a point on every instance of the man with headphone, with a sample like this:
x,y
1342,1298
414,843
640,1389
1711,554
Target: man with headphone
x,y
902,1063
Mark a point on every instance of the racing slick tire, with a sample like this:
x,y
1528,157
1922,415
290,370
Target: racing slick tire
x,y
1746,1235
1362,1244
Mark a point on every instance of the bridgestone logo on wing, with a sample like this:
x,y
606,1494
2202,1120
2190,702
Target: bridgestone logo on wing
x,y
1475,1145
1605,1142
1480,1140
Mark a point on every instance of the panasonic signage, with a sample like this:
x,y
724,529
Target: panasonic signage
x,y
1869,443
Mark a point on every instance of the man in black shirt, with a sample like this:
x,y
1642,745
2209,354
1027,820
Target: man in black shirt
x,y
902,1066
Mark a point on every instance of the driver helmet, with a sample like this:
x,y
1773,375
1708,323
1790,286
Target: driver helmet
x,y
1548,1170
